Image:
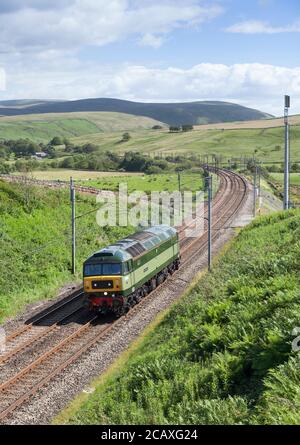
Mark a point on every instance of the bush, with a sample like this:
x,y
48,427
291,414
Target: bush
x,y
274,168
187,127
126,137
295,168
56,141
174,129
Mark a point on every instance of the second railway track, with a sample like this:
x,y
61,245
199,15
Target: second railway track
x,y
27,381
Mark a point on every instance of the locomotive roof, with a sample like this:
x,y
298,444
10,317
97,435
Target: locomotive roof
x,y
134,245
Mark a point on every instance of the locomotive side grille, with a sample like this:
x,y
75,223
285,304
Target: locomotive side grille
x,y
105,284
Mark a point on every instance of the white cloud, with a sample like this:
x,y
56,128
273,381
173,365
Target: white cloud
x,y
256,85
2,80
257,27
77,23
151,40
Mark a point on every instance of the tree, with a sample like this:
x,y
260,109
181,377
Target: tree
x,y
135,162
187,127
295,168
5,169
56,141
68,163
157,127
174,129
273,168
3,152
161,164
153,170
89,148
51,152
23,147
126,137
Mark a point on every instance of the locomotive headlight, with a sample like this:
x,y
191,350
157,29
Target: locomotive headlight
x,y
105,293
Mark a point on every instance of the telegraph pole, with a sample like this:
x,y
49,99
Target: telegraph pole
x,y
179,181
209,219
254,190
259,181
286,203
72,191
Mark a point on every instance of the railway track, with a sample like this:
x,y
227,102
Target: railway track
x,y
31,378
41,325
34,331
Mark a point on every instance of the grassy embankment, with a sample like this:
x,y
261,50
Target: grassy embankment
x,y
223,355
277,182
294,178
35,243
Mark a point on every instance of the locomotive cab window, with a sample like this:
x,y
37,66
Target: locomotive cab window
x,y
92,270
126,268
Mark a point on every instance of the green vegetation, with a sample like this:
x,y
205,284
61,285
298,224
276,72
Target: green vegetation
x,y
183,128
264,144
42,131
62,174
85,158
43,127
35,242
294,178
150,183
276,182
223,355
82,140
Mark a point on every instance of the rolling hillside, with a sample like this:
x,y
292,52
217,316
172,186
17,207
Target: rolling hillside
x,y
262,123
201,112
43,127
265,143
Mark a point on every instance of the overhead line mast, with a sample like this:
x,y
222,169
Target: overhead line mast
x,y
286,198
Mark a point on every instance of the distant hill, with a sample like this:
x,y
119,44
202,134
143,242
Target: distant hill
x,y
202,112
43,127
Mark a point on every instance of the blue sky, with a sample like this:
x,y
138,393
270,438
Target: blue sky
x,y
245,51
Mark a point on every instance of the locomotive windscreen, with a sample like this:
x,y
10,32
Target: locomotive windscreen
x,y
93,270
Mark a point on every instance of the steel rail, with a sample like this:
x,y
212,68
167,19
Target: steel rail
x,y
7,388
40,335
44,315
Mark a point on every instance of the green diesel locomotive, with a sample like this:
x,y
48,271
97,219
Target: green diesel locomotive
x,y
119,276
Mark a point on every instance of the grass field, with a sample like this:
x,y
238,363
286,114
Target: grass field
x,y
135,181
265,144
106,130
78,175
150,183
263,123
223,355
277,181
294,178
43,127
